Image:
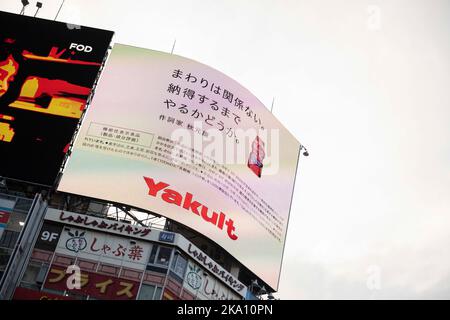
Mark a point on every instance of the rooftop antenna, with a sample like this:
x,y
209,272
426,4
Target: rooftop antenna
x,y
38,5
273,102
62,3
173,47
24,3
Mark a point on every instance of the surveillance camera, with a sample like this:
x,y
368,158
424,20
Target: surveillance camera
x,y
306,153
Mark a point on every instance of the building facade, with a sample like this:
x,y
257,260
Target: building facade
x,y
85,256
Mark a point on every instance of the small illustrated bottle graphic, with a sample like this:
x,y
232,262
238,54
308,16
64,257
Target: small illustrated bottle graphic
x,y
255,160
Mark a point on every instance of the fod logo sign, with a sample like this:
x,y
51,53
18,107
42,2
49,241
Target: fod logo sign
x,y
80,47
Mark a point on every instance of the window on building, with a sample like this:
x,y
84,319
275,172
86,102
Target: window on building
x,y
158,293
42,273
23,205
153,254
31,273
164,254
179,265
9,239
34,276
149,292
16,221
5,254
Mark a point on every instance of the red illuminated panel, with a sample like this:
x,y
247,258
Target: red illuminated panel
x,y
4,217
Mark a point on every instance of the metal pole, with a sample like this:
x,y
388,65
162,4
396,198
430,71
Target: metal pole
x,y
173,47
62,3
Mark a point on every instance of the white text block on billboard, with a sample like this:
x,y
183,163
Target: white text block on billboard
x,y
173,136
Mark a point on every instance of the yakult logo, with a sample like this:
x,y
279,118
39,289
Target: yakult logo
x,y
80,47
187,202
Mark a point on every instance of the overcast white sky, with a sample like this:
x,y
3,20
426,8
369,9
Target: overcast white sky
x,y
365,85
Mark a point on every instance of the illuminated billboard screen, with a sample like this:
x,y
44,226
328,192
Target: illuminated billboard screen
x,y
176,137
47,70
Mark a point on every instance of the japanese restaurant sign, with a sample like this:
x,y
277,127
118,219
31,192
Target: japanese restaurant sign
x,y
103,247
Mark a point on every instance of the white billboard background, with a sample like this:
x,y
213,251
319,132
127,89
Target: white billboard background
x,y
126,134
